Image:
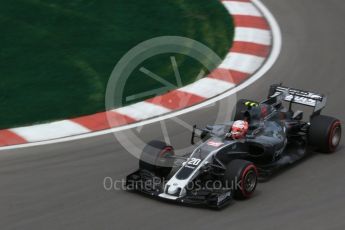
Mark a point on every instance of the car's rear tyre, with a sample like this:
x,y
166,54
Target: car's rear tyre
x,y
324,133
242,177
156,158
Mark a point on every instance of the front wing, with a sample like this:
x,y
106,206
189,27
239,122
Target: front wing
x,y
147,183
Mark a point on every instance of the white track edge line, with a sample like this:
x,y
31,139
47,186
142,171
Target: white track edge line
x,y
275,52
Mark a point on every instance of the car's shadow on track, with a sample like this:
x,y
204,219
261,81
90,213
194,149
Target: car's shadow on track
x,y
310,155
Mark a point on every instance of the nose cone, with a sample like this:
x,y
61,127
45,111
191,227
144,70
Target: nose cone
x,y
173,189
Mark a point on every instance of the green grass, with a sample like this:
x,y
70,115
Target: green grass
x,y
56,56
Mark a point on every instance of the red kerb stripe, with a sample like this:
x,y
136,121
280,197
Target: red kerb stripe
x,y
250,48
176,100
229,75
9,138
251,21
105,120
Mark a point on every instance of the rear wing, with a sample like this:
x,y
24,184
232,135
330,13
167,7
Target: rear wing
x,y
302,97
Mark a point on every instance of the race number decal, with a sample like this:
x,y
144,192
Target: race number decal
x,y
194,161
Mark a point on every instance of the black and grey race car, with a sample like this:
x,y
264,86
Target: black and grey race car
x,y
221,168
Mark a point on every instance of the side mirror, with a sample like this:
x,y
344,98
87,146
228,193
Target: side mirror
x,y
198,133
193,135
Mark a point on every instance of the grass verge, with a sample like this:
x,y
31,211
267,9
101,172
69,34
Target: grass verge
x,y
56,56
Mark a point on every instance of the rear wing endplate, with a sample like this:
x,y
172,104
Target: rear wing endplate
x,y
302,97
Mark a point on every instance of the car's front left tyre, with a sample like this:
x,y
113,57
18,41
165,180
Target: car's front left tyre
x,y
242,177
157,158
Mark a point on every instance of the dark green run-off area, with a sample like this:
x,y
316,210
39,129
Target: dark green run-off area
x,y
56,56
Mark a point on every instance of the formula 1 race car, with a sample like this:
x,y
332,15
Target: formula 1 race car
x,y
226,166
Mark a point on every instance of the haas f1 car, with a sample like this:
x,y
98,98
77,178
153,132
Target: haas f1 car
x,y
229,158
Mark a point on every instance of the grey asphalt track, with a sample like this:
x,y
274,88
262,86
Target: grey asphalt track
x,y
60,186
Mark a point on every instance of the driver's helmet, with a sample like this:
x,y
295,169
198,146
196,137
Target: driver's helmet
x,y
239,129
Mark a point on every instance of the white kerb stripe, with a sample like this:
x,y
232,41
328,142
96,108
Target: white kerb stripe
x,y
50,131
207,87
242,8
258,36
242,62
142,110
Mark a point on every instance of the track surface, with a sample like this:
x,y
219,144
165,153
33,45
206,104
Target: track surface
x,y
60,186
